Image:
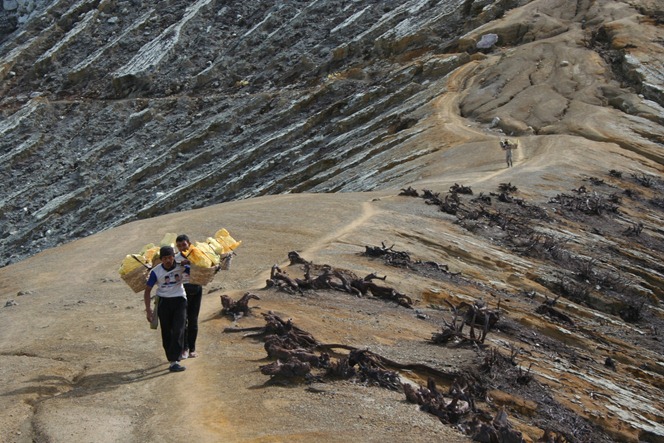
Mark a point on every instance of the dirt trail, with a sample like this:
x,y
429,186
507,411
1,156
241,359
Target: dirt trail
x,y
212,397
449,125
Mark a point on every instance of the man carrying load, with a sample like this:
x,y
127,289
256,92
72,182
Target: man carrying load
x,y
508,146
172,311
194,297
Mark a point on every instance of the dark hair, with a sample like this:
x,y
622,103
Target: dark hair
x,y
165,251
182,237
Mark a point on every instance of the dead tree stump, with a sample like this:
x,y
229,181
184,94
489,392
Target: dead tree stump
x,y
237,308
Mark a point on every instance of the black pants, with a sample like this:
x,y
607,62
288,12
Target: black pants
x,y
172,314
194,296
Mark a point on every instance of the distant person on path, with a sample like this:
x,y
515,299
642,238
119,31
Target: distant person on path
x,y
508,147
194,297
172,310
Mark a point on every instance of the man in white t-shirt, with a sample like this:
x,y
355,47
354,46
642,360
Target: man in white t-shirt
x,y
172,312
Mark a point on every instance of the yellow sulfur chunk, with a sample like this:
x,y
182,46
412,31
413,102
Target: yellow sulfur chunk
x,y
151,256
131,262
198,258
209,252
217,247
169,239
225,239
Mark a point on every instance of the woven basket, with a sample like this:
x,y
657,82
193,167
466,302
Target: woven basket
x,y
137,278
199,275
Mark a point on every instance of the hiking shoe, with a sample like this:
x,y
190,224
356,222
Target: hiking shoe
x,y
185,354
176,368
193,354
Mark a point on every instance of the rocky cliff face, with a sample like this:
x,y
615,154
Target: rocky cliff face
x,y
117,110
121,110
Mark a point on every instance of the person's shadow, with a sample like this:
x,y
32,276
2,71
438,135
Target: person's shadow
x,y
83,385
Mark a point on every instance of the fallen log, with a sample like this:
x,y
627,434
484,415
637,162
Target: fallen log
x,y
431,400
409,192
296,259
499,430
281,279
460,189
274,350
467,314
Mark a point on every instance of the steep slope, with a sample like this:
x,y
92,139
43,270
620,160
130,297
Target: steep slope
x,y
126,110
114,111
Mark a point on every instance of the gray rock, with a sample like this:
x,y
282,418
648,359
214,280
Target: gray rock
x,y
487,41
275,134
10,5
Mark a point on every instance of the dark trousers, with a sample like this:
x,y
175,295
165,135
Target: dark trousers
x,y
172,314
194,297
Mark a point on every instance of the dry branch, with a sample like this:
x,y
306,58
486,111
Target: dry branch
x,y
477,314
321,277
237,308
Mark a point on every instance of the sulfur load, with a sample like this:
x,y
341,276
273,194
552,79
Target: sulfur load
x,y
197,255
206,259
226,241
132,262
134,271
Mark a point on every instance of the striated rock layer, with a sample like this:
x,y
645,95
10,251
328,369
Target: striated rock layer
x,y
118,110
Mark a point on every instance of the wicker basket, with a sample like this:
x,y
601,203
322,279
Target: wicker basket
x,y
137,278
199,275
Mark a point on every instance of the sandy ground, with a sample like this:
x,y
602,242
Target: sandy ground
x,y
83,364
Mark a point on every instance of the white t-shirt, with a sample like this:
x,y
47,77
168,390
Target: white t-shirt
x,y
169,283
178,258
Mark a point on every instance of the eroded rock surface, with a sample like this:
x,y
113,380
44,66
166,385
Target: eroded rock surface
x,y
114,111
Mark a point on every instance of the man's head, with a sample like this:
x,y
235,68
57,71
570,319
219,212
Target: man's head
x,y
182,242
167,256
